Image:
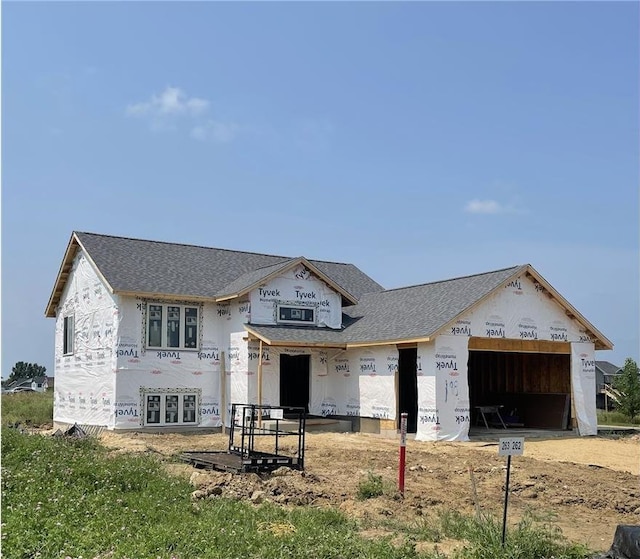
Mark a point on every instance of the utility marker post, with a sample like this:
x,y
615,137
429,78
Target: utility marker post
x,y
403,447
508,446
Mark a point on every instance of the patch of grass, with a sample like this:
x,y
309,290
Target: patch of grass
x,y
28,408
424,528
526,540
371,486
69,498
616,418
64,497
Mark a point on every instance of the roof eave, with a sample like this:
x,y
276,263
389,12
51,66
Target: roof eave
x,y
167,296
398,341
63,275
284,343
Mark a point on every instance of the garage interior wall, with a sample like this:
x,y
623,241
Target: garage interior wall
x,y
535,386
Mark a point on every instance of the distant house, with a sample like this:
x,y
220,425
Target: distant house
x,y
161,335
39,384
605,374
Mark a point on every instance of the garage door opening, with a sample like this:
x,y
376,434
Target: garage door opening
x,y
531,390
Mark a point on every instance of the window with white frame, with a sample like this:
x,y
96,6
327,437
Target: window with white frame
x,y
296,315
68,335
170,408
172,326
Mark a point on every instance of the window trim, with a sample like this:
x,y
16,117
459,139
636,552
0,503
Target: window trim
x,y
297,322
68,334
182,324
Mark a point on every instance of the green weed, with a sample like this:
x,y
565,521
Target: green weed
x,y
371,486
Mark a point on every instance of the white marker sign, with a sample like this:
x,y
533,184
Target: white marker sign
x,y
511,446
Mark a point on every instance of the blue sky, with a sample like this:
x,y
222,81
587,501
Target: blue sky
x,y
418,140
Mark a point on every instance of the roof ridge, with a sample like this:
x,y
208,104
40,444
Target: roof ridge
x,y
212,248
179,244
455,279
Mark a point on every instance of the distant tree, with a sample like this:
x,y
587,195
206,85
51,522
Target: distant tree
x,y
627,384
26,370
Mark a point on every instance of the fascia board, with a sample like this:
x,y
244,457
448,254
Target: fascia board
x,y
65,267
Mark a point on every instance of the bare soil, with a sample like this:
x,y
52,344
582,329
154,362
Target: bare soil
x,y
584,486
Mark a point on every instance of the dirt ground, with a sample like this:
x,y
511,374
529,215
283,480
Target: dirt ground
x,y
585,486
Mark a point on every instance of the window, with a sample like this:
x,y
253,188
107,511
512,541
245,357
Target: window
x,y
68,336
296,315
170,409
172,326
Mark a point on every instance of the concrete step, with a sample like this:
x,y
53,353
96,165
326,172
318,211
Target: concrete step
x,y
313,424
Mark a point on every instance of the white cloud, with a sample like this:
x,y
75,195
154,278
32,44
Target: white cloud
x,y
172,101
169,109
484,207
220,132
491,207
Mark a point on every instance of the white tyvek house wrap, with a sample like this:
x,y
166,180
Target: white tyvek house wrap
x,y
297,287
377,368
523,311
84,387
270,374
583,384
140,369
341,388
358,382
443,390
181,370
428,424
238,367
231,316
452,387
319,376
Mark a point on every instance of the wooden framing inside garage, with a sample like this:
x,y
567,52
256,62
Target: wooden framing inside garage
x,y
531,379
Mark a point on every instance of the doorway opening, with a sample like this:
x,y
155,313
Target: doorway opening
x,y
294,381
408,387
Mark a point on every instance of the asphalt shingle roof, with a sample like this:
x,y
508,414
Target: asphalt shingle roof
x,y
607,368
141,266
409,313
400,314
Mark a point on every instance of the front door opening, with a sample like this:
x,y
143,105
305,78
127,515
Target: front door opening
x,y
408,387
294,381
